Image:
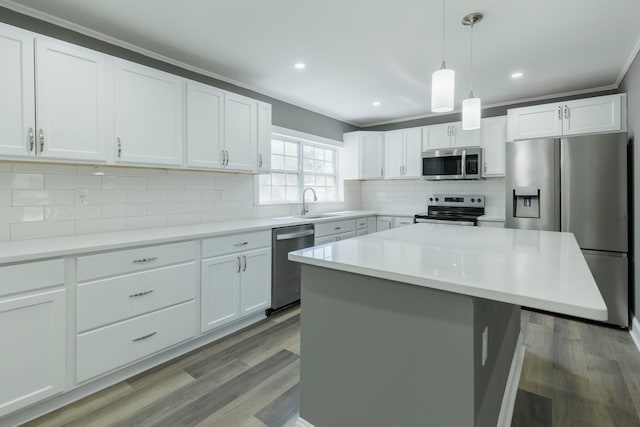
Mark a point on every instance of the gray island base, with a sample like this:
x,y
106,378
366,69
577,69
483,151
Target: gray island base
x,y
378,352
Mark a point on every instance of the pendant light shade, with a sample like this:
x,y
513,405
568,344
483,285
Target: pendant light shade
x,y
442,90
443,81
471,108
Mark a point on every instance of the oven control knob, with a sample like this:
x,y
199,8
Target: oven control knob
x,y
478,200
473,200
436,199
431,199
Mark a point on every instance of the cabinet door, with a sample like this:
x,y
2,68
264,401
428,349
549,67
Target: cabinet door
x,y
402,221
241,131
384,223
412,153
436,136
323,240
256,281
205,121
371,155
371,225
535,122
264,136
148,115
493,139
598,114
17,96
345,236
71,107
32,360
220,291
464,138
394,154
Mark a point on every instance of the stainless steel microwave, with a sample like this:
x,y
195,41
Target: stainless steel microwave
x,y
452,163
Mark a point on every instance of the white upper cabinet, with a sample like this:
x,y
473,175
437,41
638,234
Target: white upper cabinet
x,y
205,126
393,154
148,115
403,149
17,97
449,135
71,107
589,115
241,132
363,155
599,114
493,137
264,136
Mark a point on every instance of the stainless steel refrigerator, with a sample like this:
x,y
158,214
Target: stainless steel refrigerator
x,y
579,185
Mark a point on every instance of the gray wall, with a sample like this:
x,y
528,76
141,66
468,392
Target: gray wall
x,y
631,85
284,114
486,112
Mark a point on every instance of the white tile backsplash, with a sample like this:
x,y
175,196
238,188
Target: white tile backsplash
x,y
43,200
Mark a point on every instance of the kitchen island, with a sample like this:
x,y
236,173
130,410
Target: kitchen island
x,y
420,325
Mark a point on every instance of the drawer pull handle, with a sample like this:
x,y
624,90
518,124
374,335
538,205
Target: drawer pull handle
x,y
139,294
337,228
143,260
241,244
144,337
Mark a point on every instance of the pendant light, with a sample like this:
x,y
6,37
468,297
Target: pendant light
x,y
442,82
471,106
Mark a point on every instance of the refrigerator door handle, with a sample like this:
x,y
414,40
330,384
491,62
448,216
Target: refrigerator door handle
x,y
565,166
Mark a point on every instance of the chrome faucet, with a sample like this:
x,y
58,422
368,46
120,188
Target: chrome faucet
x,y
305,208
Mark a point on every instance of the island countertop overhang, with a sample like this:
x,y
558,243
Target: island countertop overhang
x,y
538,269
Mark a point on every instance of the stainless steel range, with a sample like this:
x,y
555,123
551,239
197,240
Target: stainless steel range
x,y
452,209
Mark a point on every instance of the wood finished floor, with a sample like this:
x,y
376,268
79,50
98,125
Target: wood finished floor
x,y
574,374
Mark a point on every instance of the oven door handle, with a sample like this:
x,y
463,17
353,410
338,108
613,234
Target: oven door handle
x,y
444,221
464,164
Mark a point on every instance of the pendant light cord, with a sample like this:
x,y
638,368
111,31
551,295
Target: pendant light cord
x,y
471,65
443,31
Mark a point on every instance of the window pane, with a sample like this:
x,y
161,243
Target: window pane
x,y
291,149
278,194
277,162
318,166
309,180
321,181
292,180
291,163
328,155
265,194
308,152
277,146
328,167
265,179
331,181
278,179
308,165
318,153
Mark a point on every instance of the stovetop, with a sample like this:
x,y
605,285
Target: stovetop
x,y
451,207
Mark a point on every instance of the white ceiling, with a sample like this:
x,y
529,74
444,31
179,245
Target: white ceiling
x,y
358,51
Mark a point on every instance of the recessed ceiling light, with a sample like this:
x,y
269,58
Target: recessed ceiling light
x,y
376,103
300,66
517,75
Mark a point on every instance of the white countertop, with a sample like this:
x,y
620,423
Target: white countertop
x,y
29,250
539,269
491,218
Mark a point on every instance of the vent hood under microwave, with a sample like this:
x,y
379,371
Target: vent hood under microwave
x,y
452,163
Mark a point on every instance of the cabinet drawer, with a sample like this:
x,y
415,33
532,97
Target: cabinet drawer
x,y
335,227
362,223
32,275
117,298
113,346
235,243
127,261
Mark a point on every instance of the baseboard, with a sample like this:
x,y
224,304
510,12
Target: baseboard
x,y
303,423
511,388
635,331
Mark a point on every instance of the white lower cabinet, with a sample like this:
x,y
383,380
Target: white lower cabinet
x,y
402,221
384,223
234,285
334,231
33,330
110,347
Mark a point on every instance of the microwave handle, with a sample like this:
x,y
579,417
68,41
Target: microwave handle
x,y
464,164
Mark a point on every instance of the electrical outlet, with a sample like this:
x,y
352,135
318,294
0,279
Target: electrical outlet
x,y
485,345
82,195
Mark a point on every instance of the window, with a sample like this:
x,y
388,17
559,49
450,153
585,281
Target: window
x,y
295,165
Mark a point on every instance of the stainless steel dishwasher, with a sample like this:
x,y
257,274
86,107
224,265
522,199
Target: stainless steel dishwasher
x,y
285,275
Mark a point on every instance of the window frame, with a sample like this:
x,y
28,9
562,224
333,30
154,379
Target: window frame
x,y
301,143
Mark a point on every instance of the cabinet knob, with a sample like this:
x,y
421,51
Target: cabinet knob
x,y
119,149
559,112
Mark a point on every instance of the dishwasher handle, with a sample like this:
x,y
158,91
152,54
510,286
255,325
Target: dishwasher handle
x,y
289,236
